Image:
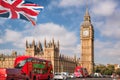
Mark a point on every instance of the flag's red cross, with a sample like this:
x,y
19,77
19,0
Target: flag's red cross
x,y
17,6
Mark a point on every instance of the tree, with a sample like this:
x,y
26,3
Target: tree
x,y
111,69
117,71
105,70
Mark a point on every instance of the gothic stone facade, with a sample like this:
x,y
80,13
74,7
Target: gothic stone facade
x,y
50,52
7,61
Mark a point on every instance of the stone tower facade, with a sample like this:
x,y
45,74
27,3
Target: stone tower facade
x,y
87,43
51,52
33,49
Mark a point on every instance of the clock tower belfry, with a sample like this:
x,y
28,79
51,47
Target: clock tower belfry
x,y
87,43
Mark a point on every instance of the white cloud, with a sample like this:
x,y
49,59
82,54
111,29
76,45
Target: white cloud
x,y
106,50
100,44
77,50
68,3
1,41
109,27
104,8
12,36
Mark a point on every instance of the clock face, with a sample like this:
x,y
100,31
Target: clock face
x,y
85,33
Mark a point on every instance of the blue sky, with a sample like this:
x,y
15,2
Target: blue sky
x,y
61,20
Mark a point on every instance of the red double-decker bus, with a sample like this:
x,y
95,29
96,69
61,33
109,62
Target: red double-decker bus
x,y
35,68
80,72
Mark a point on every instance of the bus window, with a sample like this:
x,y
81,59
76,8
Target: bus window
x,y
40,66
41,71
44,62
35,71
45,71
29,59
49,64
21,64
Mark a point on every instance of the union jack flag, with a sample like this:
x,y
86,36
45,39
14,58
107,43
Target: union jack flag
x,y
19,9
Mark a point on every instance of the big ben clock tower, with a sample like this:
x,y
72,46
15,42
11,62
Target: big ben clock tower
x,y
87,43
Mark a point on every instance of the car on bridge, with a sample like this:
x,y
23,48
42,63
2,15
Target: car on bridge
x,y
60,76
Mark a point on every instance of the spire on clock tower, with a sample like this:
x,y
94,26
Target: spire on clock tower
x,y
87,19
87,16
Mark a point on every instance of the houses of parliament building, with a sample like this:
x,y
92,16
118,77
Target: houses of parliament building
x,y
51,51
